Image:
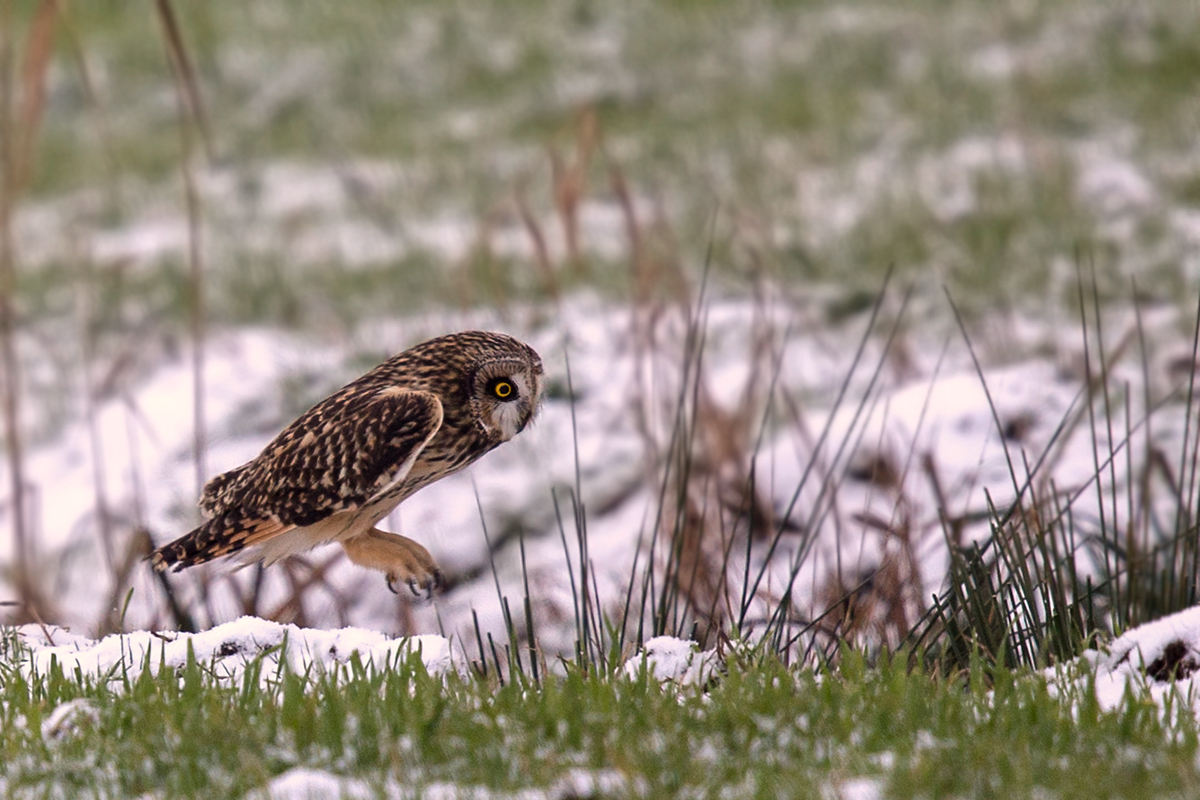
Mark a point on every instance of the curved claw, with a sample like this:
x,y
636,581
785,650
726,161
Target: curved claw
x,y
424,590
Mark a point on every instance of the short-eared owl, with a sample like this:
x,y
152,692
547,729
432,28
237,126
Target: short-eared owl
x,y
344,465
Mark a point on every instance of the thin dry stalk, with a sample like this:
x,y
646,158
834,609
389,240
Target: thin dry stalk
x,y
657,271
192,107
568,184
709,501
21,108
132,556
196,319
87,357
181,616
541,253
38,51
303,576
569,180
138,543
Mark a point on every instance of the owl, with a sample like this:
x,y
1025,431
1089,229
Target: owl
x,y
340,468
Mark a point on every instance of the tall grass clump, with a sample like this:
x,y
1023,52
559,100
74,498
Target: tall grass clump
x,y
1058,569
1055,574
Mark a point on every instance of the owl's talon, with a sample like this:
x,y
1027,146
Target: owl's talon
x,y
401,560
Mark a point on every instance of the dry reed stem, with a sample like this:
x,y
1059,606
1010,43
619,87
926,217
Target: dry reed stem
x,y
38,51
188,87
303,575
131,559
541,252
21,106
191,117
84,319
569,181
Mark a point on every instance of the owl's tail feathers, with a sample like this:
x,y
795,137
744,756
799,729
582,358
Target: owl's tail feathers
x,y
186,551
214,539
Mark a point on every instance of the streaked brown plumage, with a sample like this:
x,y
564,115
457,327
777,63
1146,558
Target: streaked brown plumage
x,y
349,460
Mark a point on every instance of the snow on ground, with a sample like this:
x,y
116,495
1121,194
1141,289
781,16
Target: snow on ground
x,y
307,214
1159,660
854,789
302,783
927,409
927,415
228,648
667,658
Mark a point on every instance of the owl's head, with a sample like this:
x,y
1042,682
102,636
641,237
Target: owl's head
x,y
506,388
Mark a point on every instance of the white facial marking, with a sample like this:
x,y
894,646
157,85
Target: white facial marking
x,y
506,417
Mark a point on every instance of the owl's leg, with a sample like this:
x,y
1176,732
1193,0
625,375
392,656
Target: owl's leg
x,y
397,557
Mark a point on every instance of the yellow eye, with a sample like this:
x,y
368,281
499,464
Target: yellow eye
x,y
503,389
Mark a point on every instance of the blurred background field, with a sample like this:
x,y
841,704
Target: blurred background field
x,y
351,150
214,214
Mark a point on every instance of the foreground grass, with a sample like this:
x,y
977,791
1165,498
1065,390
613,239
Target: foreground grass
x,y
761,730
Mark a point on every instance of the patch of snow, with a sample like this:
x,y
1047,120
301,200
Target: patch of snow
x,y
666,658
69,718
309,216
303,783
580,782
1159,660
854,789
947,182
441,790
228,648
996,61
1115,186
1186,222
152,238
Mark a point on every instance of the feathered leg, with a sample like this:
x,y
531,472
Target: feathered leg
x,y
397,557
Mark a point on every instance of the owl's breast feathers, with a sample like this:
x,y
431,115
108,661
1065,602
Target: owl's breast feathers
x,y
350,451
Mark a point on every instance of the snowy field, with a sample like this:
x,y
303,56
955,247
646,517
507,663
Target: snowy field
x,y
919,435
927,407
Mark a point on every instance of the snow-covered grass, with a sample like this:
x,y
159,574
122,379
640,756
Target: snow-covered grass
x,y
253,710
